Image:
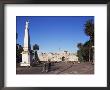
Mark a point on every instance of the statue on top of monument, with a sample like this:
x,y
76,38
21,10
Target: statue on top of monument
x,y
27,24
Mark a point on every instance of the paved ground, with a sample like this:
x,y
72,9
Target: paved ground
x,y
59,68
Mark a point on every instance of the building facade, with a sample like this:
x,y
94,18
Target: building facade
x,y
60,56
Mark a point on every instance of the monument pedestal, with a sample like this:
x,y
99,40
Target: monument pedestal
x,y
25,58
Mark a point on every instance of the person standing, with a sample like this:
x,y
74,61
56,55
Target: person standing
x,y
44,67
49,65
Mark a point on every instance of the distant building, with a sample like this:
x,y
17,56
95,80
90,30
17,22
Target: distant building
x,y
60,56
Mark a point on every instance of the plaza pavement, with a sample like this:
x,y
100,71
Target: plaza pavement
x,y
59,68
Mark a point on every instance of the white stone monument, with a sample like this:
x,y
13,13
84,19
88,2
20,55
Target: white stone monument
x,y
26,48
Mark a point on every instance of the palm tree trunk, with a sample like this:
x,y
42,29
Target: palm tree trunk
x,y
89,54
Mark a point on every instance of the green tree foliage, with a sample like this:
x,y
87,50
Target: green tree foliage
x,y
89,30
19,50
79,45
79,53
35,47
35,55
86,51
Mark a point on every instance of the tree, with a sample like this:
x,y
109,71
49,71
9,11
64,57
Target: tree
x,y
86,51
80,51
19,50
89,30
79,45
35,48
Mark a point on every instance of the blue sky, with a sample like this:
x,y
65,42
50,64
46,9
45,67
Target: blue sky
x,y
53,32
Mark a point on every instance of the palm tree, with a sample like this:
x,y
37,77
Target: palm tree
x,y
89,31
89,28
